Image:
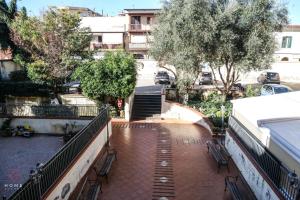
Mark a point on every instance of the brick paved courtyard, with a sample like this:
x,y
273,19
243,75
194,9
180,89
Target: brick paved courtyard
x,y
163,160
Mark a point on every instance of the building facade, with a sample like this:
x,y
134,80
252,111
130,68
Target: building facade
x,y
140,23
288,44
108,33
130,31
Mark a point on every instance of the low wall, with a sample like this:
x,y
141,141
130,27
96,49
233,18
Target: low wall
x,y
80,167
260,187
48,126
75,99
172,110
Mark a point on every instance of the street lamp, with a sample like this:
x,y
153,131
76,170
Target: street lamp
x,y
223,113
295,183
36,175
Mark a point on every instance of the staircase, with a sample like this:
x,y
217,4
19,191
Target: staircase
x,y
146,107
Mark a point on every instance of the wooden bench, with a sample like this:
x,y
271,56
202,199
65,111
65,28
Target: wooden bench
x,y
90,190
107,159
236,191
219,153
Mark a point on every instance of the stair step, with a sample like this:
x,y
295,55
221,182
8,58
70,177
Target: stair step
x,y
146,107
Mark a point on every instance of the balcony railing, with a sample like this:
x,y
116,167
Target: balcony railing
x,y
136,27
27,110
277,173
36,187
139,46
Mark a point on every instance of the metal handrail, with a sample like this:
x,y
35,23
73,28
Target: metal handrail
x,y
273,168
47,110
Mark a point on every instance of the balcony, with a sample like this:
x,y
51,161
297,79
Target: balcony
x,y
135,27
98,46
139,46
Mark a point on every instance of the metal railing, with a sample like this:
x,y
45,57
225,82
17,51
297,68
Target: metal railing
x,y
138,45
135,27
28,110
37,186
273,168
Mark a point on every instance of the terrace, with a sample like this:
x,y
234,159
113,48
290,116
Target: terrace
x,y
18,155
190,171
184,171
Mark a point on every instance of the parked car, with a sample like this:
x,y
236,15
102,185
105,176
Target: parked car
x,y
206,78
268,77
162,77
270,89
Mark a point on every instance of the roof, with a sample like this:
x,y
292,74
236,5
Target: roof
x,y
278,106
291,28
141,11
105,24
286,133
275,121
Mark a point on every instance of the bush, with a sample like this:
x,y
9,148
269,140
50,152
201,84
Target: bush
x,y
252,91
19,75
5,128
211,107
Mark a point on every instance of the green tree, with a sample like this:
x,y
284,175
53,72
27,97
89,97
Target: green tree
x,y
56,43
230,36
113,76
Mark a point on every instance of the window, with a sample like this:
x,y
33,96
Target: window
x,y
99,38
138,56
286,42
285,59
136,20
149,20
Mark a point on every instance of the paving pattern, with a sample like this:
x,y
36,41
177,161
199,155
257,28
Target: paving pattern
x,y
163,180
163,162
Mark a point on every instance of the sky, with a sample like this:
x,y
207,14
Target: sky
x,y
113,7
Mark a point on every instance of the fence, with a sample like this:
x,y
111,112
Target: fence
x,y
46,175
277,173
27,110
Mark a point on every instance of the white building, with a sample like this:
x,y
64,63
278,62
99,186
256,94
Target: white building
x,y
131,30
139,26
288,42
264,141
108,32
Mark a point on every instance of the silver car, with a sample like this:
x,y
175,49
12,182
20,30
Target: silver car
x,y
270,89
206,78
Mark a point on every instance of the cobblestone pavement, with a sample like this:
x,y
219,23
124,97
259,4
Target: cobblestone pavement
x,y
164,162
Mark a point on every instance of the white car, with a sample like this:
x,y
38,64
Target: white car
x,y
270,89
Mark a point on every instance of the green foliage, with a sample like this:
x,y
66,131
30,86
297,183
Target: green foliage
x,y
113,76
229,36
5,128
211,107
7,15
252,91
56,43
19,75
25,89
